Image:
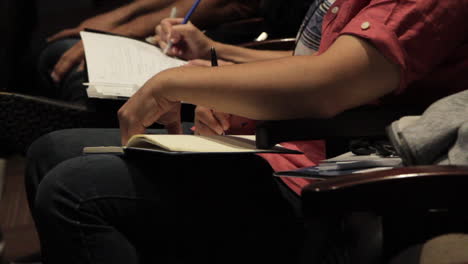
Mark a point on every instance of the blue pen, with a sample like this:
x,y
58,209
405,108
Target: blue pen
x,y
190,12
185,21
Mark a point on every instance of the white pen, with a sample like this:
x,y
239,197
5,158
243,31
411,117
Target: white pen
x,y
169,42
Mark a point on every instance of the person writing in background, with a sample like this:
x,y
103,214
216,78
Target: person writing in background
x,y
137,20
230,209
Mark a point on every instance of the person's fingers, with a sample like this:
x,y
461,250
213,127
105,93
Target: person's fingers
x,y
69,59
165,27
156,29
64,34
81,66
160,33
136,115
223,119
171,120
174,128
128,127
184,31
170,52
180,32
157,39
206,117
204,130
161,43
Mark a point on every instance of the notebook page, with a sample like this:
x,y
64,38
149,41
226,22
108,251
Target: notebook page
x,y
120,60
195,143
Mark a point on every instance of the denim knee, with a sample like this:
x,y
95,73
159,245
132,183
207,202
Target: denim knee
x,y
51,149
53,198
43,155
77,181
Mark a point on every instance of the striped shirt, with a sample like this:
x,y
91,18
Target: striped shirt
x,y
310,33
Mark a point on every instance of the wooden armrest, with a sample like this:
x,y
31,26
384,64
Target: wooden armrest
x,y
366,121
418,188
272,44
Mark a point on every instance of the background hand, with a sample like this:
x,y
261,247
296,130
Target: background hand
x,y
72,57
209,122
75,55
188,41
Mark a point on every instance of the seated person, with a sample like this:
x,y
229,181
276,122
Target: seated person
x,y
229,209
61,63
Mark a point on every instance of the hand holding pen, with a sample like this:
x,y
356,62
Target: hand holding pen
x,y
154,39
183,40
186,19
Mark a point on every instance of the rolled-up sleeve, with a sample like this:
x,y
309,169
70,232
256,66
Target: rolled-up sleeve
x,y
417,35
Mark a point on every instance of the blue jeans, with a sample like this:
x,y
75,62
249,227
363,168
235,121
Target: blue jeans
x,y
155,208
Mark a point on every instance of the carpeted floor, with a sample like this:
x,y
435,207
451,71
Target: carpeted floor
x,y
15,220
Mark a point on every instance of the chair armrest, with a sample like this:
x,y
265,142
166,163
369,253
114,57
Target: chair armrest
x,y
366,121
418,188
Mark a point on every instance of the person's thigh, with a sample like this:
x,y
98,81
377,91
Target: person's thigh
x,y
99,209
53,148
213,206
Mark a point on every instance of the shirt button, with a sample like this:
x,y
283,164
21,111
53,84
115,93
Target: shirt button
x,y
335,10
365,25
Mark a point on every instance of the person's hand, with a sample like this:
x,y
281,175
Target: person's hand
x,y
75,55
209,122
146,107
188,42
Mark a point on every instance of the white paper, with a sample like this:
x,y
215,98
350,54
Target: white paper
x,y
129,63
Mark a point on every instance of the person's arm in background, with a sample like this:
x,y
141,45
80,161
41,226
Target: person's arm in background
x,y
139,18
190,43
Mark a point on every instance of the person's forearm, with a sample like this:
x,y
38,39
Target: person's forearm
x,y
242,55
129,14
287,88
209,12
143,25
264,90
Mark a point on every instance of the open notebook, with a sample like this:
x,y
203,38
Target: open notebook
x,y
189,144
118,66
